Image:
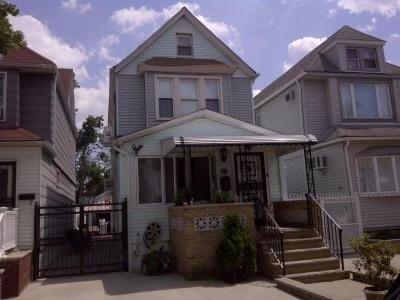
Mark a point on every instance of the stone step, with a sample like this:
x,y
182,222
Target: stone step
x,y
298,233
311,265
308,253
303,243
320,276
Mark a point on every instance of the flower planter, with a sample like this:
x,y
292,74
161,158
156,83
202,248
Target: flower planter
x,y
373,293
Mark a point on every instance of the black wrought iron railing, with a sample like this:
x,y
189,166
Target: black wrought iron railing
x,y
273,236
324,224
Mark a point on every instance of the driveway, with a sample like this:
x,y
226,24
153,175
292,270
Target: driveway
x,y
138,287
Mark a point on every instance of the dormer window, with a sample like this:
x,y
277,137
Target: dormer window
x,y
361,59
184,44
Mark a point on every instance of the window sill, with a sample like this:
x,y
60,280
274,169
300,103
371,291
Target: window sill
x,y
164,119
376,195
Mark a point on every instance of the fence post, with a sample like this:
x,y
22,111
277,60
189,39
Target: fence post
x,y
2,229
16,210
125,260
36,241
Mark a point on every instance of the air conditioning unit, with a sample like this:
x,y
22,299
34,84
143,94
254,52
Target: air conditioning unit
x,y
319,162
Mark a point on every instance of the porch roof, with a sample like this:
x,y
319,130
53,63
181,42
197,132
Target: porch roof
x,y
170,143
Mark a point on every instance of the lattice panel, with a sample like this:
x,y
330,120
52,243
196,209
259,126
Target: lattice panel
x,y
213,222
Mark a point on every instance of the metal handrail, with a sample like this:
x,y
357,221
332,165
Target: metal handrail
x,y
324,224
273,235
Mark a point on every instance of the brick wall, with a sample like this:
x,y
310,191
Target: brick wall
x,y
196,232
291,212
17,274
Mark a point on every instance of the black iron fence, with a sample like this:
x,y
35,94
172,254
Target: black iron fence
x,y
80,239
323,223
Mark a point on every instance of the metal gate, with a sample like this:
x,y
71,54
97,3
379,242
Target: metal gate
x,y
80,239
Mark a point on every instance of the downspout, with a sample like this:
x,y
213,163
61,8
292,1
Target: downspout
x,y
346,155
300,89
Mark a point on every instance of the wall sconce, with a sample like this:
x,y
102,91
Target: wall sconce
x,y
224,154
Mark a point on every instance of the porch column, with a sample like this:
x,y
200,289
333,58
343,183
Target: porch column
x,y
309,169
187,157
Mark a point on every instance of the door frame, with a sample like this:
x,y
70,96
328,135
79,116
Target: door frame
x,y
13,164
263,174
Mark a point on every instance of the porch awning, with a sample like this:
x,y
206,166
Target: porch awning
x,y
168,144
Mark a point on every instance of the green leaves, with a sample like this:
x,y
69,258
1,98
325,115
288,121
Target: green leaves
x,y
9,38
374,258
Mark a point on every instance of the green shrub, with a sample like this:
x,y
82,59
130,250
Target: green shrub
x,y
179,198
222,197
156,262
236,255
374,258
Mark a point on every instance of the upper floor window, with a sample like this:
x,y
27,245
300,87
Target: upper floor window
x,y
188,96
184,43
365,100
379,174
2,96
181,95
361,59
165,98
212,94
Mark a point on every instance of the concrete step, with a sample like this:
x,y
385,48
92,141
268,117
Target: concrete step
x,y
298,233
305,254
311,265
303,243
320,276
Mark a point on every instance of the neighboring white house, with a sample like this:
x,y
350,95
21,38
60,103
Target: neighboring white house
x,y
181,118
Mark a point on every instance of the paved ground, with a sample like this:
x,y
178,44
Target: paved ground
x,y
341,289
137,287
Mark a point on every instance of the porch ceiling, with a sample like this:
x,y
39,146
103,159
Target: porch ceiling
x,y
170,143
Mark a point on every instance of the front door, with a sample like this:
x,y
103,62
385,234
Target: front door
x,y
7,184
250,177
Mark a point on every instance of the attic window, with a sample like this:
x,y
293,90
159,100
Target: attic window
x,y
290,96
184,43
361,59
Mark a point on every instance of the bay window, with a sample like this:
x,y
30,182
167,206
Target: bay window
x,y
165,98
2,96
212,94
181,95
379,174
189,96
365,100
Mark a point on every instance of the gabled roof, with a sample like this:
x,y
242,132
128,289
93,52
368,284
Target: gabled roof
x,y
315,61
26,57
184,12
18,135
202,113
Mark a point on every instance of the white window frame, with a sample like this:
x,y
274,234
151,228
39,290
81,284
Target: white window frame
x,y
378,99
360,60
376,176
4,74
201,92
188,34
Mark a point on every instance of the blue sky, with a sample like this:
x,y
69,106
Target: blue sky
x,y
92,35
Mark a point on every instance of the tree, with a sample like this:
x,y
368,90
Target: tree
x,y
9,38
92,159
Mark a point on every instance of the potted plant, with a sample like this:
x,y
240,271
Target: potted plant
x,y
236,255
374,259
222,197
156,262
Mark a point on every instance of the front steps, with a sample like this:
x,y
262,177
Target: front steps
x,y
307,259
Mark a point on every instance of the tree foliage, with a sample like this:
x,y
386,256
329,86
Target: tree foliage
x,y
9,38
92,159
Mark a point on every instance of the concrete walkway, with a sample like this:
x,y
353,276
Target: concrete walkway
x,y
137,287
348,263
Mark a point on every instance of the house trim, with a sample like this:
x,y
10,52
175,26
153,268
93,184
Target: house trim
x,y
351,41
4,97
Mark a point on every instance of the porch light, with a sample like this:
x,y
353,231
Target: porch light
x,y
224,154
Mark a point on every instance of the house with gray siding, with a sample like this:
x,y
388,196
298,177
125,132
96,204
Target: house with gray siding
x,y
346,94
181,125
37,136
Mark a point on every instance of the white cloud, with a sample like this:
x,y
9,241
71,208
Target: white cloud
x,y
74,5
395,36
387,8
332,12
368,27
42,40
131,19
297,49
92,100
105,45
109,40
256,92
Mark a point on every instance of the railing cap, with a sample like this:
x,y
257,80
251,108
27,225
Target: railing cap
x,y
3,209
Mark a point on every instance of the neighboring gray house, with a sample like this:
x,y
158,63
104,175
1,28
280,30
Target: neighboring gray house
x,y
346,94
37,136
183,88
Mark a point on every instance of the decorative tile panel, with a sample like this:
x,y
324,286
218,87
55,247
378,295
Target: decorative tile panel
x,y
213,223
